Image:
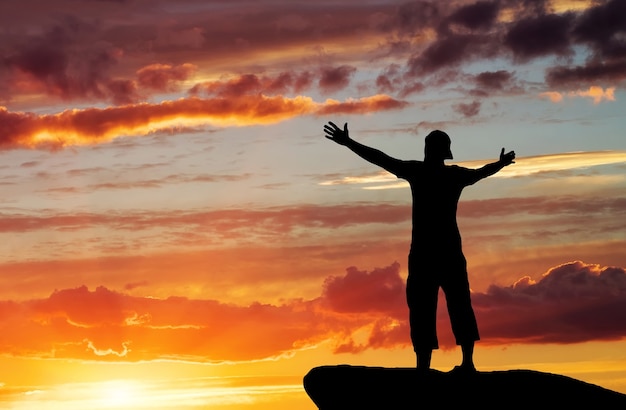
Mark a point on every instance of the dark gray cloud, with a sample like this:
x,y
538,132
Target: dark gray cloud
x,y
571,303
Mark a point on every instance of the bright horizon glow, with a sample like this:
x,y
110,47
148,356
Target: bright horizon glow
x,y
228,392
134,394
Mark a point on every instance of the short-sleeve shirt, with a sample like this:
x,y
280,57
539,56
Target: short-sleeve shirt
x,y
436,190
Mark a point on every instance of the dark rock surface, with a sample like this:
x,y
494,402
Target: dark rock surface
x,y
346,387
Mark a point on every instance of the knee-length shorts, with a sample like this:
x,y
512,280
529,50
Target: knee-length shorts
x,y
428,273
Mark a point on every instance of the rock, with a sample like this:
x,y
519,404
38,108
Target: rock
x,y
347,387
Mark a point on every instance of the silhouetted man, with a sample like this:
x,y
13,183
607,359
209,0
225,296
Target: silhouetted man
x,y
436,258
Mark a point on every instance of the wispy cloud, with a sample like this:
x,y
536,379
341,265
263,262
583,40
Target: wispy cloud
x,y
276,220
568,161
524,166
377,178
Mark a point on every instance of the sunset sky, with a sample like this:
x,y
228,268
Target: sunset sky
x,y
176,232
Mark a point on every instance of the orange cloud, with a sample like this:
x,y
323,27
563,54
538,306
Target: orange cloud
x,y
364,105
102,324
554,96
597,94
94,125
573,302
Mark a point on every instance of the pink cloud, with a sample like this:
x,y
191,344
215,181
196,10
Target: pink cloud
x,y
162,77
493,80
543,205
250,84
333,79
468,110
381,290
280,219
55,62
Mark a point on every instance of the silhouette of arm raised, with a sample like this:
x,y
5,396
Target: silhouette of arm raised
x,y
490,169
376,157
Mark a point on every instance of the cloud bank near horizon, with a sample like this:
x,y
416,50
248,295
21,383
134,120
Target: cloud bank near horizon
x,y
571,303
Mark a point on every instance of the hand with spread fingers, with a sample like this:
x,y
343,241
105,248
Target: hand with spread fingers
x,y
508,158
334,133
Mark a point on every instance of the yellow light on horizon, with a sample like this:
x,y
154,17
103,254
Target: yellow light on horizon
x,y
131,394
121,394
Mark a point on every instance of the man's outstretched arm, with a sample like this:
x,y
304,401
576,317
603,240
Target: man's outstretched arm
x,y
490,169
377,157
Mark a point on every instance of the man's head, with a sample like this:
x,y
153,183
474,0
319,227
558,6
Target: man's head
x,y
437,146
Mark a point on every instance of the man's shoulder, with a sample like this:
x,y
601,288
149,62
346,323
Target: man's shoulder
x,y
458,168
465,176
407,168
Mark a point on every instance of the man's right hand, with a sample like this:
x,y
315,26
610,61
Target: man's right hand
x,y
334,133
508,158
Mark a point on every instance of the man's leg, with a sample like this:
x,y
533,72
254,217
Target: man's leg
x,y
462,318
422,320
422,291
423,359
468,356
